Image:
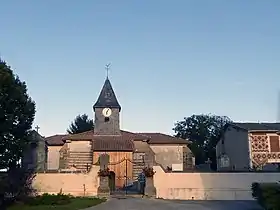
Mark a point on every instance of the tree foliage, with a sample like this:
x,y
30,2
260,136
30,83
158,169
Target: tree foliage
x,y
204,131
17,112
80,124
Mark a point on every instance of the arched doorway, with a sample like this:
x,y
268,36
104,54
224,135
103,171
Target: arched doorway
x,y
112,184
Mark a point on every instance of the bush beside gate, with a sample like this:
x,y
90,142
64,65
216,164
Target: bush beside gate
x,y
267,195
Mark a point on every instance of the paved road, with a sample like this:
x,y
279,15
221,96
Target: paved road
x,y
154,204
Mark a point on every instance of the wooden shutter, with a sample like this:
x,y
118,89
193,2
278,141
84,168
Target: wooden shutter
x,y
274,144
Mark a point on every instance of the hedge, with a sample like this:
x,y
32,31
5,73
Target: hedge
x,y
267,195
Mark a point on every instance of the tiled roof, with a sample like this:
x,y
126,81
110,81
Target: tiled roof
x,y
107,97
87,135
151,138
112,143
160,138
55,140
257,126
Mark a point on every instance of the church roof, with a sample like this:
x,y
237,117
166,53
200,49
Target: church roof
x,y
126,136
55,140
112,143
107,97
160,138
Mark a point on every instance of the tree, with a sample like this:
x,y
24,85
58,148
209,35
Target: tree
x,y
17,112
204,131
80,124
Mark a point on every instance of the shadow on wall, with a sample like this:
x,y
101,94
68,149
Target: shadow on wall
x,y
208,186
76,184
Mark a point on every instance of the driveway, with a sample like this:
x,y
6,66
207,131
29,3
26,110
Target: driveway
x,y
156,204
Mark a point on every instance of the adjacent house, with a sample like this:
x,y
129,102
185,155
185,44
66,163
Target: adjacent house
x,y
248,146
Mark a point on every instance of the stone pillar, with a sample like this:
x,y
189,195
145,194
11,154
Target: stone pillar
x,y
103,190
150,189
64,157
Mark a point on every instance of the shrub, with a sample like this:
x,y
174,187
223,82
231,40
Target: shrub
x,y
49,199
149,172
267,195
15,185
104,172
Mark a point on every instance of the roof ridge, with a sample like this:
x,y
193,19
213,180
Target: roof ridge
x,y
56,135
255,126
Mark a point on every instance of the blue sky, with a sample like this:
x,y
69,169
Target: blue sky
x,y
170,59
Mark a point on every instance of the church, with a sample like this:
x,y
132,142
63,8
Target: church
x,y
128,152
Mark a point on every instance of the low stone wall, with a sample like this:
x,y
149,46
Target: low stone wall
x,y
69,182
208,186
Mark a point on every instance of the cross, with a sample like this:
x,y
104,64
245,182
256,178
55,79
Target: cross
x,y
208,161
107,67
37,128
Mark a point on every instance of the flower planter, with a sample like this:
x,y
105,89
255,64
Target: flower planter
x,y
149,172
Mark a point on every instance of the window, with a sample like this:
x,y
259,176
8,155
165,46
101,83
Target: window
x,y
106,119
274,144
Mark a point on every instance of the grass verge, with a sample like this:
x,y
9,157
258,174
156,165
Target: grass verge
x,y
75,204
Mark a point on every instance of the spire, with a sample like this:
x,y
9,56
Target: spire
x,y
107,97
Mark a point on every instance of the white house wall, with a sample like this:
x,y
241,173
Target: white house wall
x,y
236,146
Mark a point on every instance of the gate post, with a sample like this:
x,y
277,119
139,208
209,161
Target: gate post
x,y
150,189
103,190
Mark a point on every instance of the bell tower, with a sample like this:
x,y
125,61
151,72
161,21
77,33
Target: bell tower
x,y
107,111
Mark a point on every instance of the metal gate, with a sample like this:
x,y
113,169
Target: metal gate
x,y
124,176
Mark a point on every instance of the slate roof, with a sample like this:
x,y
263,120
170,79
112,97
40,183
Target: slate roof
x,y
107,97
257,126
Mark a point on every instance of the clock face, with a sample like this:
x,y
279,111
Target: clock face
x,y
107,112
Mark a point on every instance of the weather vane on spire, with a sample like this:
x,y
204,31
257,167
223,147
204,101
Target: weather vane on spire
x,y
107,67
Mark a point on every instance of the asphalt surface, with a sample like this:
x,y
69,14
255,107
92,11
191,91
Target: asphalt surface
x,y
126,203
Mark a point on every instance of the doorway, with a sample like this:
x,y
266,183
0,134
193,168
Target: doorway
x,y
112,181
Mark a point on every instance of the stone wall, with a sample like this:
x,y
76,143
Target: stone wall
x,y
208,186
80,146
166,155
69,182
112,127
42,156
35,155
53,157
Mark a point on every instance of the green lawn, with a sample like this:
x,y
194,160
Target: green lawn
x,y
75,204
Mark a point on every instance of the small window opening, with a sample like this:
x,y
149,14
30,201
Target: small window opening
x,y
106,119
